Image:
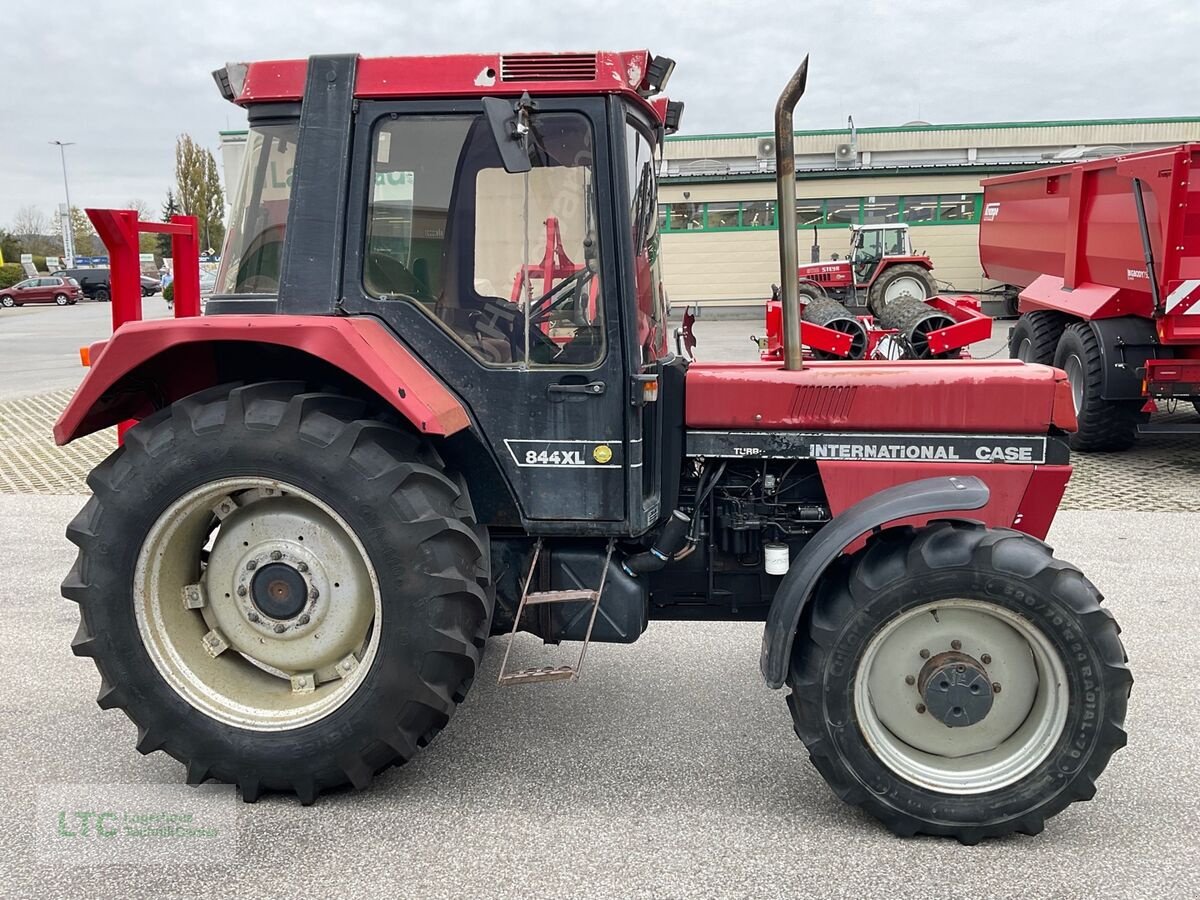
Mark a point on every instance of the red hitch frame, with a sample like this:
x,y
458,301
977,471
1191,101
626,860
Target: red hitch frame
x,y
119,230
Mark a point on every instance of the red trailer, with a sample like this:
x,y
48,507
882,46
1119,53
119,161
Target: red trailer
x,y
1107,253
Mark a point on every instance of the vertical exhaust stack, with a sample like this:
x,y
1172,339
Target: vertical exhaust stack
x,y
785,181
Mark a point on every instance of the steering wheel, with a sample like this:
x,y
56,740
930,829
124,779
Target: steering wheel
x,y
570,288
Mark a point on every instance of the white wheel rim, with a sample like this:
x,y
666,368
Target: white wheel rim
x,y
904,286
258,672
1019,732
1074,370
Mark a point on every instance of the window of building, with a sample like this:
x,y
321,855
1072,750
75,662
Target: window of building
x,y
809,213
842,211
758,214
724,215
685,216
880,210
958,208
920,209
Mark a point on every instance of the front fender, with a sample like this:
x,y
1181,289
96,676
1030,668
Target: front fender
x,y
146,365
913,498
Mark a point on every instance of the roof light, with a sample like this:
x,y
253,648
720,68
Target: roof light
x,y
659,73
231,80
674,115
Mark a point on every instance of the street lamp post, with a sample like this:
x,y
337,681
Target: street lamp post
x,y
68,224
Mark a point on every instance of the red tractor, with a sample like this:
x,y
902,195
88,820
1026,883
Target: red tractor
x,y
1106,254
367,457
880,269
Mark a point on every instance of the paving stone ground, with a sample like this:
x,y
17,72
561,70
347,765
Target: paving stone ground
x,y
1159,474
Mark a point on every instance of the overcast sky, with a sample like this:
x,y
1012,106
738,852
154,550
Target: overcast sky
x,y
123,78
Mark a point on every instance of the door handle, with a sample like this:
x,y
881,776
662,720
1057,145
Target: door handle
x,y
595,388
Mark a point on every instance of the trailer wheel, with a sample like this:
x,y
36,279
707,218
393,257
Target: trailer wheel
x,y
279,591
1103,424
1034,337
898,282
960,681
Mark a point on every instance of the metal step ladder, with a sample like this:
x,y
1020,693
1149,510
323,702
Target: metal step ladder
x,y
552,673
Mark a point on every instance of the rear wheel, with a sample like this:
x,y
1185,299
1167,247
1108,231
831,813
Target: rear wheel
x,y
1034,338
102,295
279,592
1102,424
900,281
959,681
61,299
7,302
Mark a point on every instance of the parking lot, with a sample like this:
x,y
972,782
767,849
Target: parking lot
x,y
669,770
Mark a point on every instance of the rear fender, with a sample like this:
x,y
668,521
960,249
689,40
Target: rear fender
x,y
913,498
148,365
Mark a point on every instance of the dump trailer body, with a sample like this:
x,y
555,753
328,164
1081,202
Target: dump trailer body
x,y
1075,238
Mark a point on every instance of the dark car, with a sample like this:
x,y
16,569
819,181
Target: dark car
x,y
93,282
58,289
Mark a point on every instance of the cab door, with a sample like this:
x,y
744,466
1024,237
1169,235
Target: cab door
x,y
507,286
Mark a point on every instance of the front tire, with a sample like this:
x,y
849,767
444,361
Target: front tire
x,y
358,645
895,640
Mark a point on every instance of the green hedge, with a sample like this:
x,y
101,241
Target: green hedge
x,y
169,292
10,274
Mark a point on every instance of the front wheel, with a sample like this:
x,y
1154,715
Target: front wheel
x,y
959,681
278,590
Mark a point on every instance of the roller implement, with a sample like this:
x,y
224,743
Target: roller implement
x,y
432,400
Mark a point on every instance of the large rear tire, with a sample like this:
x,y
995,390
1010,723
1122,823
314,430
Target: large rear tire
x,y
900,281
894,675
355,648
1102,424
1034,338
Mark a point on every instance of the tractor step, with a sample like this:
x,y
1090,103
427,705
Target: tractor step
x,y
546,673
535,598
558,597
1168,428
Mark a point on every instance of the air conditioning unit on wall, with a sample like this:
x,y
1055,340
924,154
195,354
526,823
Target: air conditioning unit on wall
x,y
766,148
844,155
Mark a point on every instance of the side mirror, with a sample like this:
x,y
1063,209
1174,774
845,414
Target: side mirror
x,y
509,124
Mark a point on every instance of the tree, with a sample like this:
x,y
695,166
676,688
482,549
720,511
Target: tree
x,y
30,220
199,188
169,208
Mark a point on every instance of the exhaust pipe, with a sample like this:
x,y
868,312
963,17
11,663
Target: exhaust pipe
x,y
785,213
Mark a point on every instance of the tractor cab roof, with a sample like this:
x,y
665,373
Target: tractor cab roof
x,y
635,74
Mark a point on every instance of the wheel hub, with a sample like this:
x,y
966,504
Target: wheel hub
x,y
279,591
956,689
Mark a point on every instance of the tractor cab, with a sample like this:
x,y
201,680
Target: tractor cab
x,y
482,225
869,244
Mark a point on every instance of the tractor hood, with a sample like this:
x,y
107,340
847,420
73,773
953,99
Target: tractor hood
x,y
951,396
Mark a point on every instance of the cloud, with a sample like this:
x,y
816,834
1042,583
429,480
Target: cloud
x,y
139,73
